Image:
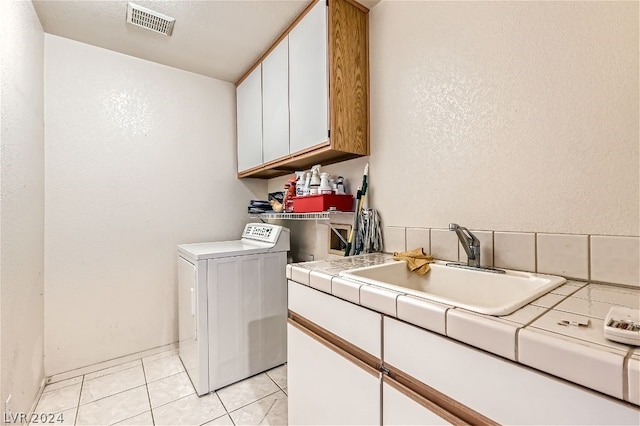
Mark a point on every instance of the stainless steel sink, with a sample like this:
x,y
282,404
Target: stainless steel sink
x,y
478,291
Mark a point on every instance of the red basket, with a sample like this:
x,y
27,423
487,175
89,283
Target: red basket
x,y
323,202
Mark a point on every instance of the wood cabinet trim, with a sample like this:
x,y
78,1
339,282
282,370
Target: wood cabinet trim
x,y
357,355
302,152
448,404
348,77
323,154
419,399
278,40
362,7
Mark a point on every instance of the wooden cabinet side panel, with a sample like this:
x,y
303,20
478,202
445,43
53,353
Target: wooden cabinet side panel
x,y
349,77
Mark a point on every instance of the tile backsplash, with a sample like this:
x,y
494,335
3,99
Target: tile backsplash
x,y
514,250
611,259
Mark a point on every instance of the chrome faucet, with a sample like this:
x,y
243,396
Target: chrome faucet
x,y
470,243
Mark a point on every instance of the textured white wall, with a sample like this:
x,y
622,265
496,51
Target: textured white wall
x,y
140,158
508,116
513,116
21,205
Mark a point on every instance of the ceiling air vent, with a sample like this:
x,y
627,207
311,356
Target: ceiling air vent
x,y
146,18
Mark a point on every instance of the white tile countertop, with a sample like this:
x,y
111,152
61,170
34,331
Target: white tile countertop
x,y
533,335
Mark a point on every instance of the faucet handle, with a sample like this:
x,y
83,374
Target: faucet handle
x,y
470,243
461,230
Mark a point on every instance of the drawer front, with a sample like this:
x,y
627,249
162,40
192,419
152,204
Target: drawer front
x,y
499,389
325,387
355,324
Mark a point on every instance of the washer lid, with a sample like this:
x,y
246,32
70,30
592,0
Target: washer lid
x,y
219,249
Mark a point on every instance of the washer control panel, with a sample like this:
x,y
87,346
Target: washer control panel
x,y
262,232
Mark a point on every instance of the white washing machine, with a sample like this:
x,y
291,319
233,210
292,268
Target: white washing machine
x,y
232,303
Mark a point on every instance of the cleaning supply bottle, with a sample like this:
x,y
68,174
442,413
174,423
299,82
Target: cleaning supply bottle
x,y
324,187
314,185
300,183
306,190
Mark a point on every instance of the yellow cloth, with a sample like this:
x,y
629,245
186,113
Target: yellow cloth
x,y
416,260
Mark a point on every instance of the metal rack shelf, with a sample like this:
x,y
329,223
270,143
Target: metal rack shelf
x,y
326,216
299,216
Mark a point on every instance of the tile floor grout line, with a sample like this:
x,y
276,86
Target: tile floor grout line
x,y
172,401
182,397
113,394
222,402
276,383
267,411
147,383
225,409
174,352
253,402
219,417
75,419
109,360
109,374
146,386
45,391
164,377
184,370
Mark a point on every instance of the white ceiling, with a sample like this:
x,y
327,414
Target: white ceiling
x,y
217,38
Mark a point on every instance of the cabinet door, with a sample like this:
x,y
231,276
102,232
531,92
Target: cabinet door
x,y
249,120
400,409
499,389
324,387
308,80
275,103
357,325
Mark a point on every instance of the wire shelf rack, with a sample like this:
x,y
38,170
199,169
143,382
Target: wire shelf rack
x,y
324,216
328,215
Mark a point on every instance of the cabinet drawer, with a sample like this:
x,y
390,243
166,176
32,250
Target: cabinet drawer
x,y
357,325
400,409
325,387
499,389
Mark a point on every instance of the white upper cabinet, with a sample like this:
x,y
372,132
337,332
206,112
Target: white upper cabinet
x,y
275,103
312,106
249,116
308,80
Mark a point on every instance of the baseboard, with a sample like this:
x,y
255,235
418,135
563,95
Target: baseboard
x,y
106,364
32,410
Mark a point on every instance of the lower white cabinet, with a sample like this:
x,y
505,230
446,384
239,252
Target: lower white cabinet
x,y
501,390
325,387
400,409
428,378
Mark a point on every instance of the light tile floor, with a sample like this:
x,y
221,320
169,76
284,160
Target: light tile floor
x,y
157,391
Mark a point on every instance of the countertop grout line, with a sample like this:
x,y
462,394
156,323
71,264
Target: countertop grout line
x,y
625,374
